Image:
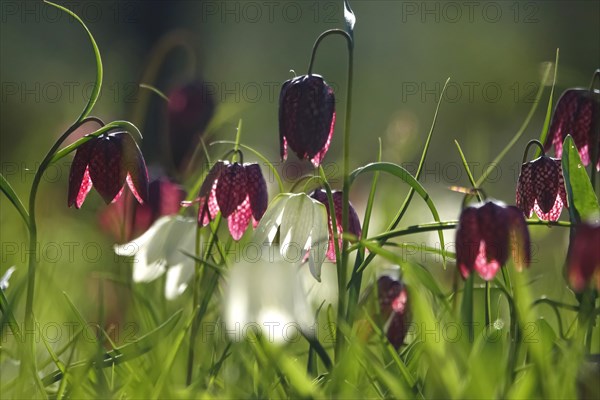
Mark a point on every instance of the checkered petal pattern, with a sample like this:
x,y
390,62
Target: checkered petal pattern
x,y
238,191
306,117
577,113
107,162
541,188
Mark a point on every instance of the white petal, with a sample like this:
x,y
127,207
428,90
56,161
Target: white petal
x,y
143,271
320,240
296,226
177,279
267,295
6,277
131,248
269,223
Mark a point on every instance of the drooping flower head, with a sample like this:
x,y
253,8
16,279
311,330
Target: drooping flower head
x,y
161,249
239,191
386,304
584,257
393,306
353,221
486,234
302,225
306,117
107,162
190,109
577,113
541,188
126,219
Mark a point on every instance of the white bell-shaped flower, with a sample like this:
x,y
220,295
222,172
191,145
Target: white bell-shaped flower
x,y
161,249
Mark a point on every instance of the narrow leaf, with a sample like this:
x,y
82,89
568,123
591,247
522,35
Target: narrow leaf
x,y
583,203
404,175
548,109
14,198
125,352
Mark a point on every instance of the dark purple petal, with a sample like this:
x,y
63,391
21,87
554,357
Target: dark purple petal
x,y
231,189
397,330
545,174
493,228
468,239
541,188
353,221
283,125
525,191
388,289
211,177
393,309
79,179
208,207
306,117
106,169
257,190
133,164
577,112
584,256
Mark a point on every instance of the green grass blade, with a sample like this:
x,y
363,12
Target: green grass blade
x,y
546,126
155,90
404,175
10,317
9,192
465,164
126,352
170,358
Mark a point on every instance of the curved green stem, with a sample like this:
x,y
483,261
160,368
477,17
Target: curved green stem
x,y
529,144
259,155
488,304
346,171
32,225
29,317
322,36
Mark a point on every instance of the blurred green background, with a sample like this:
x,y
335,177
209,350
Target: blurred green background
x,y
493,52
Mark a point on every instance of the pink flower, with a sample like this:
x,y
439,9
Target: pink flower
x,y
485,236
106,162
353,222
238,191
394,309
541,188
584,257
576,114
126,219
306,117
